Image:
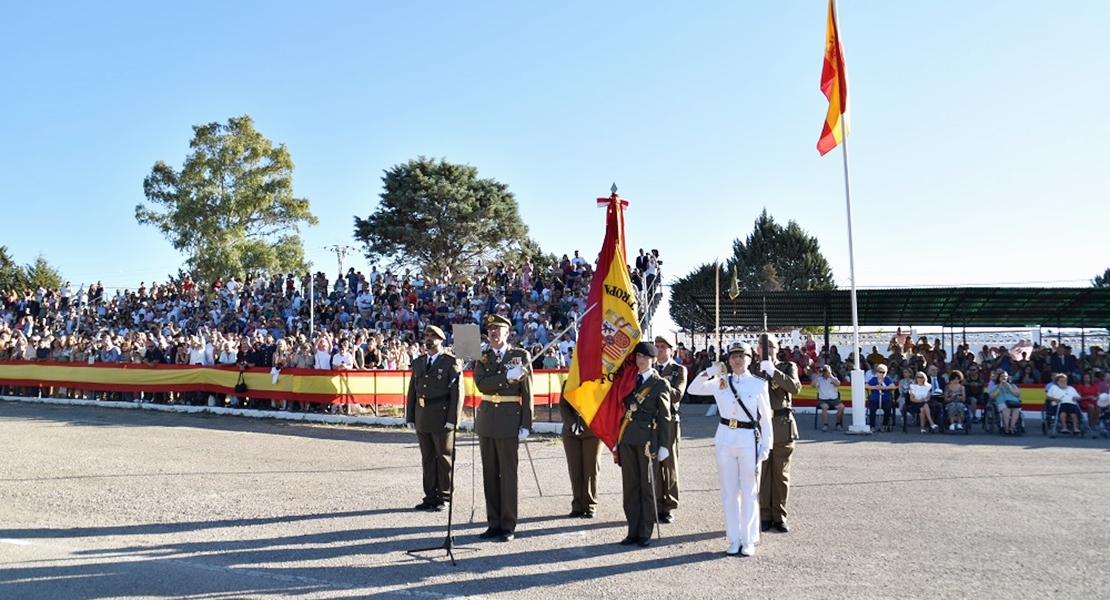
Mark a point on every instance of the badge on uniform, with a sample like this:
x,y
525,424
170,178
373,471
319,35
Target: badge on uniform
x,y
421,402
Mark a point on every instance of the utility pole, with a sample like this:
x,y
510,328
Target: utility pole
x,y
341,254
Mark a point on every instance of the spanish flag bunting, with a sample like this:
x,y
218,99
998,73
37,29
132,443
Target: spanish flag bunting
x,y
597,383
834,84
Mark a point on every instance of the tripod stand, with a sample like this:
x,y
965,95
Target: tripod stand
x,y
448,540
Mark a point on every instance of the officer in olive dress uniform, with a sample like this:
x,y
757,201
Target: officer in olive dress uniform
x,y
666,471
645,433
433,409
504,419
774,487
584,451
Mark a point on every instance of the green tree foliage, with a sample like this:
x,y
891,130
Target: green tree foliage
x,y
687,313
40,274
435,214
32,276
772,258
1102,280
11,275
231,207
794,258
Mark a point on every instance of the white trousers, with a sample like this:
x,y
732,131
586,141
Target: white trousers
x,y
736,470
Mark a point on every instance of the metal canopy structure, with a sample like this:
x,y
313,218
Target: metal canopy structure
x,y
944,307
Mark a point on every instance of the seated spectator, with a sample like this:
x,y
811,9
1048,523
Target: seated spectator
x,y
955,401
975,390
880,397
1065,399
1007,399
1088,401
920,394
828,397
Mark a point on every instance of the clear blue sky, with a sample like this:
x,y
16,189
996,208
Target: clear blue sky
x,y
977,126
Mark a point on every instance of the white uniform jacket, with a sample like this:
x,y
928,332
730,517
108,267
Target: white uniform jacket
x,y
753,392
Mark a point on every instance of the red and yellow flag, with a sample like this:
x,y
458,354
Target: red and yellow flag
x,y
610,330
834,84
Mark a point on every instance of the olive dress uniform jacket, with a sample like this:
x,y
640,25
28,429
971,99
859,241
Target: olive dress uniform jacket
x,y
435,396
783,385
505,419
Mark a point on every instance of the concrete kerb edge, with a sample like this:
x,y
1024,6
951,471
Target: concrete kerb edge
x,y
552,428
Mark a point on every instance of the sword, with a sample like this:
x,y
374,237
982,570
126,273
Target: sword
x,y
528,449
651,478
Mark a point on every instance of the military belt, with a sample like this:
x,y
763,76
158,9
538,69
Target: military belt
x,y
734,424
495,399
784,412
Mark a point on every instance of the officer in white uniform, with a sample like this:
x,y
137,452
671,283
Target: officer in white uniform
x,y
738,452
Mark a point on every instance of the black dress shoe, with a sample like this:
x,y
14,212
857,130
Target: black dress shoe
x,y
666,518
490,533
628,541
589,514
423,506
507,536
781,527
765,526
438,507
575,514
643,542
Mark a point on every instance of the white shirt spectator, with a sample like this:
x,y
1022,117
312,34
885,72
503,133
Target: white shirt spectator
x,y
342,360
1066,395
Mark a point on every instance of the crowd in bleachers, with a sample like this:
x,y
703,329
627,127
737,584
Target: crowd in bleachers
x,y
359,321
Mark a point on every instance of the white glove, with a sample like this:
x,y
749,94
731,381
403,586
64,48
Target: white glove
x,y
410,425
523,434
764,454
767,367
713,370
514,373
663,454
450,426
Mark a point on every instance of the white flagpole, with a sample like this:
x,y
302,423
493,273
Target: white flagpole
x,y
717,311
859,397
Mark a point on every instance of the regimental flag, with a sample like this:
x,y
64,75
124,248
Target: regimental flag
x,y
834,84
597,383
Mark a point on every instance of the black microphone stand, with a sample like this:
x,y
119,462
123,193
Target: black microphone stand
x,y
448,540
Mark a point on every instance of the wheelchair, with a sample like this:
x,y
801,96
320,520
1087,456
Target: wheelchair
x,y
1050,420
945,415
992,420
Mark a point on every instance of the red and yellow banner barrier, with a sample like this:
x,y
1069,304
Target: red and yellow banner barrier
x,y
304,385
301,385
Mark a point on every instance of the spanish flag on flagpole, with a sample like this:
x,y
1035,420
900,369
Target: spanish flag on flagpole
x,y
834,84
597,383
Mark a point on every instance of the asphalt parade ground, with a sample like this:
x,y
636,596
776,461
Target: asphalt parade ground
x,y
105,503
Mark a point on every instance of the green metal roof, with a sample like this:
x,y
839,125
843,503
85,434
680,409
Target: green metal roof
x,y
947,307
